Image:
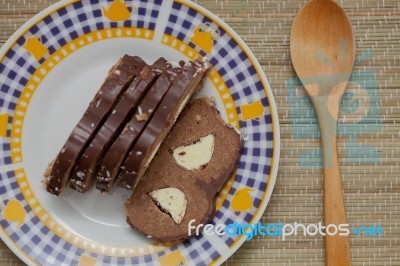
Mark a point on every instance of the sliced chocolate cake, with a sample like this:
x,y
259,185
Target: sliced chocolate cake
x,y
187,83
119,78
86,166
191,166
115,156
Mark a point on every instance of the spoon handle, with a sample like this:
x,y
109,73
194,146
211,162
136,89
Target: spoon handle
x,y
337,246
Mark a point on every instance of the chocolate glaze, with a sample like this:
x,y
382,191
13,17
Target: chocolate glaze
x,y
162,121
110,166
82,178
118,79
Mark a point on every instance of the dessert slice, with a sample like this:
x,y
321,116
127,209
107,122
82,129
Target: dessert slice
x,y
115,156
191,79
119,78
182,182
86,166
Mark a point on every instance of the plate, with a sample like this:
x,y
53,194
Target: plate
x,y
50,70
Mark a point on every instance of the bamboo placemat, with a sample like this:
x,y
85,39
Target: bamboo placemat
x,y
369,129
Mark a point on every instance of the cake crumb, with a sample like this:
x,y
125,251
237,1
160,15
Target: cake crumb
x,y
142,117
125,130
80,174
174,64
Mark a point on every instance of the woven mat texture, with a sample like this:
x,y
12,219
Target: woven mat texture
x,y
369,131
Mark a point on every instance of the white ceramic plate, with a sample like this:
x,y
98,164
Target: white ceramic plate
x,y
50,70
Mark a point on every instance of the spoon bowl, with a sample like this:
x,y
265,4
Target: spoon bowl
x,y
322,50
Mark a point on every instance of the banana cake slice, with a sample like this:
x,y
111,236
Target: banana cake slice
x,y
119,78
192,165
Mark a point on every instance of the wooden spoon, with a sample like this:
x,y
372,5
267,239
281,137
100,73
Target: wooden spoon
x,y
322,50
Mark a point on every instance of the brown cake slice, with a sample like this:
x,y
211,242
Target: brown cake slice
x,y
184,87
86,166
119,78
115,156
192,165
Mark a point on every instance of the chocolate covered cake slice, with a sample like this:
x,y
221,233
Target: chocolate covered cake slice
x,y
86,166
182,182
119,78
115,156
187,83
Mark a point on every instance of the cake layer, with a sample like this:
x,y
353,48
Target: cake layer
x,y
196,160
119,78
